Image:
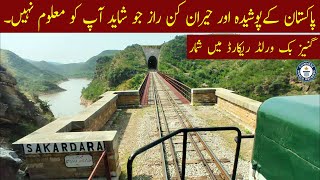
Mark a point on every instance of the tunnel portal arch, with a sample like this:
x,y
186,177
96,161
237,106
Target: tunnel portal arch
x,y
152,54
152,62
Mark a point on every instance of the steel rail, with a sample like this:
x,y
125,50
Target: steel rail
x,y
188,127
184,131
157,104
224,173
205,163
164,164
215,159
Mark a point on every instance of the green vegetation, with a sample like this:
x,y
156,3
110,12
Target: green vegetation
x,y
125,70
133,83
257,79
23,114
26,112
30,78
74,70
34,77
44,105
120,70
20,130
28,85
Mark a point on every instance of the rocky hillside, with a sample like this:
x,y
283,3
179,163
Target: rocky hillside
x,y
18,115
30,78
257,79
125,70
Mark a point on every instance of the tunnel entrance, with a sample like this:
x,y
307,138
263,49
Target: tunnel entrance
x,y
152,62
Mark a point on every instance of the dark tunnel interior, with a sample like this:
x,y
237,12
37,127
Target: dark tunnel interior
x,y
152,62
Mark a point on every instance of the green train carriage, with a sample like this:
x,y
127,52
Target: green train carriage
x,y
287,139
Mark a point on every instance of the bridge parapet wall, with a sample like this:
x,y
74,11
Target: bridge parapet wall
x,y
203,96
243,108
130,98
70,147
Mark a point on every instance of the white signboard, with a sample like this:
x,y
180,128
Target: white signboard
x,y
78,161
40,148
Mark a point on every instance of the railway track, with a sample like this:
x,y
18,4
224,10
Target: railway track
x,y
201,162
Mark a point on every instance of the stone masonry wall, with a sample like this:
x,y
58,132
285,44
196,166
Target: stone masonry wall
x,y
128,98
51,165
248,117
151,51
99,118
245,109
203,96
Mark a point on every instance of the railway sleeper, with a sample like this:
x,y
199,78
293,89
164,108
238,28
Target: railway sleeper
x,y
197,161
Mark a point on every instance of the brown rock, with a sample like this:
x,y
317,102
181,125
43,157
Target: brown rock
x,y
9,164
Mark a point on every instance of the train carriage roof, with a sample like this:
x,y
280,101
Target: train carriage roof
x,y
288,137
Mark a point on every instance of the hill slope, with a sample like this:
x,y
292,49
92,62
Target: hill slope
x,y
30,78
18,115
257,79
125,70
74,70
46,66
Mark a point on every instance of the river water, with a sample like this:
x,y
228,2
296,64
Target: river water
x,y
67,103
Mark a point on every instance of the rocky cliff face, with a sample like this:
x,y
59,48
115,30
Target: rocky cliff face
x,y
18,115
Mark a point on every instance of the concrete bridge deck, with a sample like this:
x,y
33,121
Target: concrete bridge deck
x,y
118,125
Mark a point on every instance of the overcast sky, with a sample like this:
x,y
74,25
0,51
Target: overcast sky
x,y
74,47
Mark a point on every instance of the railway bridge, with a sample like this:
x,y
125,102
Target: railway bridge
x,y
85,146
